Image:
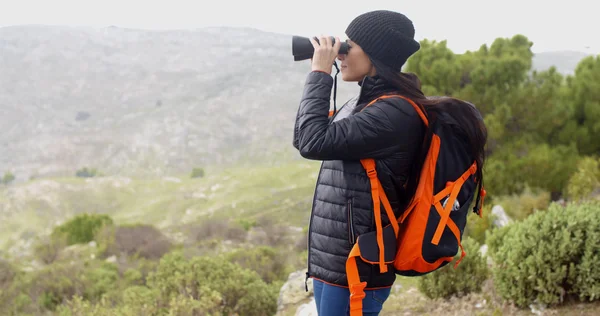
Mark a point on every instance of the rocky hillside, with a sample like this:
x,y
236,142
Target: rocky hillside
x,y
127,100
133,102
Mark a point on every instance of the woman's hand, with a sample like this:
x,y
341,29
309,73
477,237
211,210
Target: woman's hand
x,y
325,53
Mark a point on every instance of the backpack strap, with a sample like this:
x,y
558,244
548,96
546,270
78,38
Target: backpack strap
x,y
420,111
355,286
377,191
452,189
379,197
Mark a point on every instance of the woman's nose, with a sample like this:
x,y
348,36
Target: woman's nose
x,y
341,57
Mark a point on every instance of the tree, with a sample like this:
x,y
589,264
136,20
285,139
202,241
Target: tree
x,y
583,100
8,178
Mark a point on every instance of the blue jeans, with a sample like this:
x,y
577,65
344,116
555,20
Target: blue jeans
x,y
334,300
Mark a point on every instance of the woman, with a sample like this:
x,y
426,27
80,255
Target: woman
x,y
389,131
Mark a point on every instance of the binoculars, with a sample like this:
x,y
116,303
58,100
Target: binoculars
x,y
302,47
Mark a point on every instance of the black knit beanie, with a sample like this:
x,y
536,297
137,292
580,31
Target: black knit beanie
x,y
384,35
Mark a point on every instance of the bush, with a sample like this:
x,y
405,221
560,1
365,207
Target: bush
x,y
50,286
466,278
215,228
82,228
241,291
86,173
269,263
8,178
144,241
519,206
48,250
585,180
549,256
197,173
7,273
101,279
477,227
528,163
47,289
276,234
140,300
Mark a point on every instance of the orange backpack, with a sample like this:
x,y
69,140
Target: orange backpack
x,y
428,234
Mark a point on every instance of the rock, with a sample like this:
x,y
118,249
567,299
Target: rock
x,y
294,292
537,309
397,287
483,250
172,179
308,309
75,252
500,217
481,304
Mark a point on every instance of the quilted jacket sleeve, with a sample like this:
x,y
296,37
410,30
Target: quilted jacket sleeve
x,y
386,127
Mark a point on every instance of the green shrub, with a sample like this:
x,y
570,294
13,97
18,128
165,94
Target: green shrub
x,y
52,285
86,173
197,173
549,256
241,291
8,178
7,273
145,241
216,228
101,279
585,180
140,300
247,224
528,163
268,262
82,228
519,206
47,250
478,226
466,278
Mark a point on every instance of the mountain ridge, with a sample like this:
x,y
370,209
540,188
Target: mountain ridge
x,y
140,102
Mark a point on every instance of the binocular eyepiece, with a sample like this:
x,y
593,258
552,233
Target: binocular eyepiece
x,y
302,48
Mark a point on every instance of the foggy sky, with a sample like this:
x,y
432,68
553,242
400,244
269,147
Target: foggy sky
x,y
466,24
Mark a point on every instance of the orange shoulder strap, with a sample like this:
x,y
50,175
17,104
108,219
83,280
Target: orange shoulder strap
x,y
415,106
379,197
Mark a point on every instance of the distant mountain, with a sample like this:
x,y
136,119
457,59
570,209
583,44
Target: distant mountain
x,y
564,61
132,101
150,102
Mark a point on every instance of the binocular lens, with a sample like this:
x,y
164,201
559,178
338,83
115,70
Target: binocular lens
x,y
302,48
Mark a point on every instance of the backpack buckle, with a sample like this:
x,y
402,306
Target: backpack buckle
x,y
371,173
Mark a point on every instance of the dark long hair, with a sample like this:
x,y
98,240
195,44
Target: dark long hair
x,y
464,117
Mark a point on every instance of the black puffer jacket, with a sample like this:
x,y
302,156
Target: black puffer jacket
x,y
389,131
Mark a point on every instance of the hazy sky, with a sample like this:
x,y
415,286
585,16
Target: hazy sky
x,y
466,24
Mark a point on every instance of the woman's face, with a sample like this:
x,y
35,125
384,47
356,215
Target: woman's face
x,y
355,64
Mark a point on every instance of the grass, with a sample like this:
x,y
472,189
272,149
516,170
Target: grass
x,y
283,193
407,300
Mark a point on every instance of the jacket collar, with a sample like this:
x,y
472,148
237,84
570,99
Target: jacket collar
x,y
371,88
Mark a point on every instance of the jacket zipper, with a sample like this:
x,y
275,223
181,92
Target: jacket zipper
x,y
351,235
312,212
